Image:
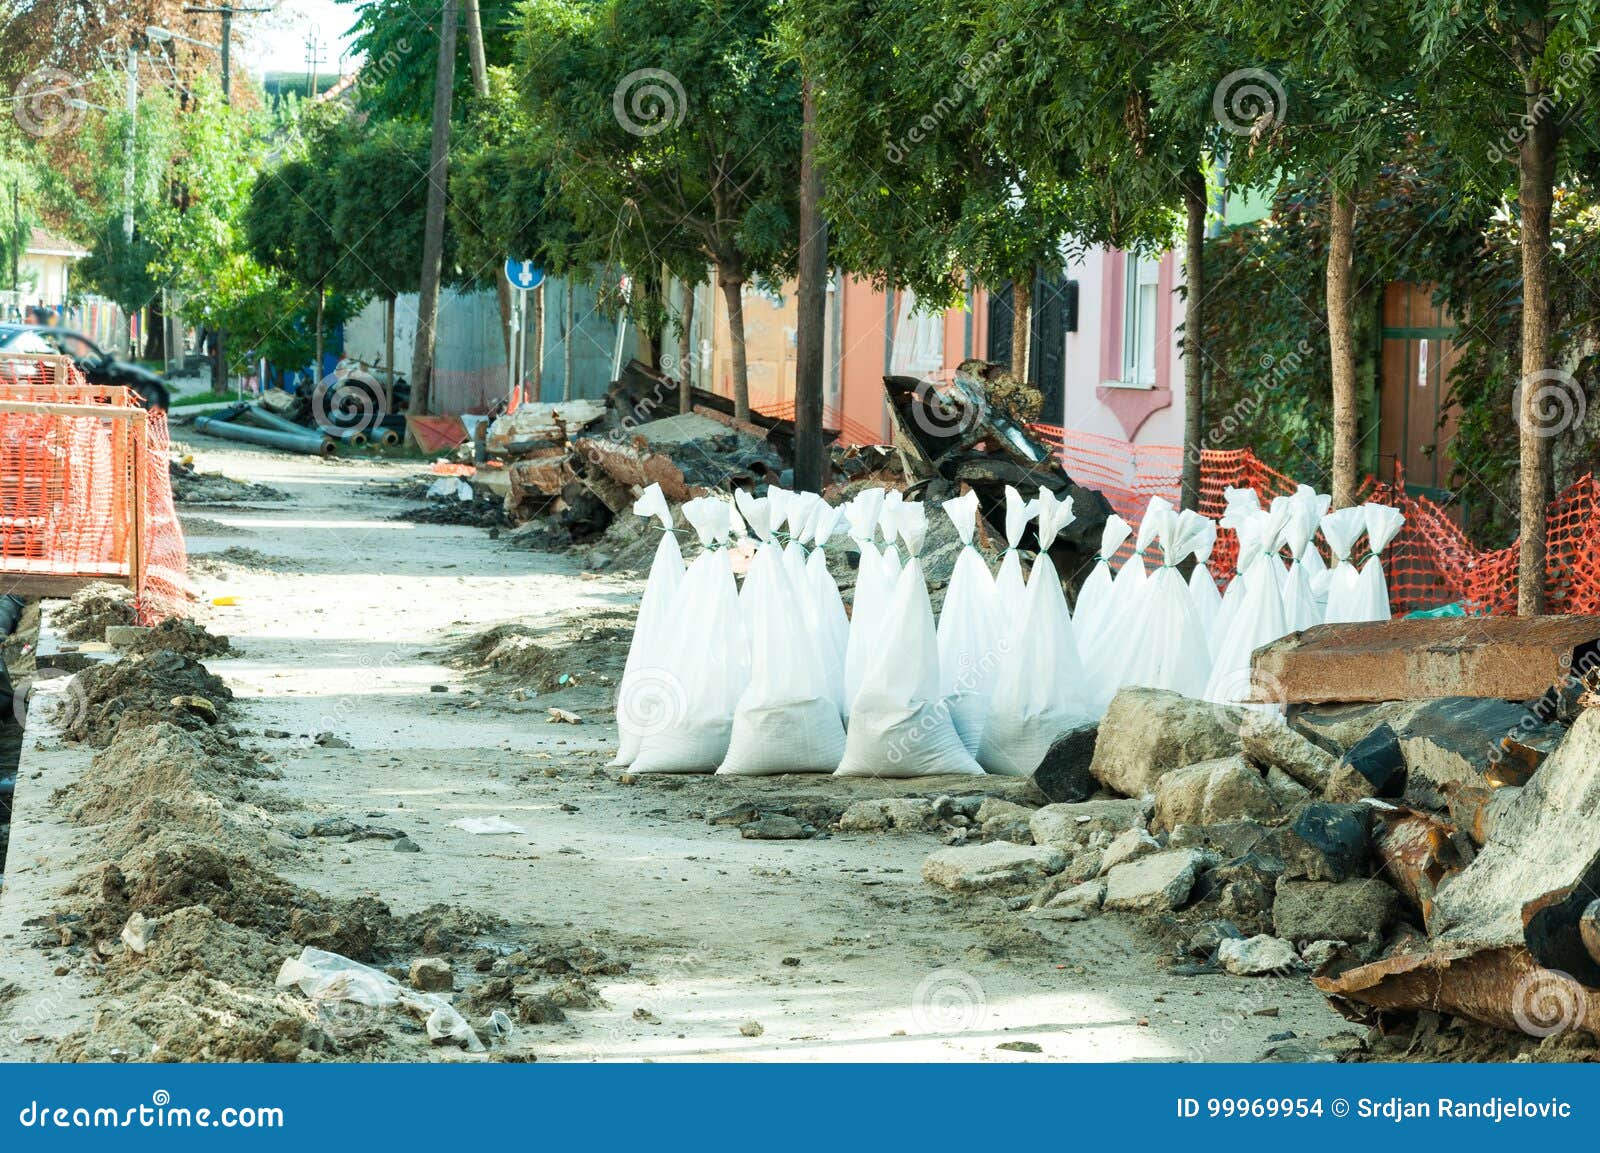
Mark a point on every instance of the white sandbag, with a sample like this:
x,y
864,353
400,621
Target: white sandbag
x,y
1241,517
971,630
636,709
833,626
872,592
1341,529
900,723
1300,609
1203,591
1095,597
706,657
1038,692
1317,570
1166,643
1008,583
1258,619
1383,523
786,720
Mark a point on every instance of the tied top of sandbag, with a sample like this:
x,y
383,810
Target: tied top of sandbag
x,y
862,512
825,523
963,513
1054,515
653,502
758,513
1239,506
1341,529
1115,531
802,514
1155,523
1383,523
1318,502
777,509
911,521
1299,528
889,515
1205,539
711,519
1018,513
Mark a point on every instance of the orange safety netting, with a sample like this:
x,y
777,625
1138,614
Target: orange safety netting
x,y
86,495
1432,562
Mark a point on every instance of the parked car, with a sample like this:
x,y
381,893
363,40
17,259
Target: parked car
x,y
99,366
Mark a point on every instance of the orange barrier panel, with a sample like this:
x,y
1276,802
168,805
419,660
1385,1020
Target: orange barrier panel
x,y
1430,563
85,491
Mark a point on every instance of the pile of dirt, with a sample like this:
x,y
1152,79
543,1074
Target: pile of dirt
x,y
183,635
484,510
159,783
137,691
205,526
192,487
94,607
586,649
234,557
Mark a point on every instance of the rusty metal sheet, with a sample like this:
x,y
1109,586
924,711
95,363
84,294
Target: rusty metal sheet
x,y
1417,852
627,463
1512,658
1505,987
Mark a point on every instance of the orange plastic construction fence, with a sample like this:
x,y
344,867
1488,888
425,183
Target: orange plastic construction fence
x,y
1432,562
85,491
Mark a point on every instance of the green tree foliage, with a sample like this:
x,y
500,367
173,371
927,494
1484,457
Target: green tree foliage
x,y
673,126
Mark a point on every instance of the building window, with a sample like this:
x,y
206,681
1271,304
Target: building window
x,y
1139,322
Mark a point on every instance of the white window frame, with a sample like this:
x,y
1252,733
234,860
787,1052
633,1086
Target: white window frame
x,y
1140,305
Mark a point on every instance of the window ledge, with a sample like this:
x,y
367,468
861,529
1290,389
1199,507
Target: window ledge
x,y
1145,386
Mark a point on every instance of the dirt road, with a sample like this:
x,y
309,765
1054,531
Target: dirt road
x,y
824,949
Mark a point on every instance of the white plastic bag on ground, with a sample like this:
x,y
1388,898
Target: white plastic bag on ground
x,y
651,628
786,720
692,696
1258,619
971,629
1166,643
1341,529
1039,689
1008,583
1383,524
900,723
1203,591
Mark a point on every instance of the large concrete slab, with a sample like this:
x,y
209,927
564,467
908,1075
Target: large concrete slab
x,y
1512,658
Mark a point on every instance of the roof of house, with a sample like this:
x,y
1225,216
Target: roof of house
x,y
46,243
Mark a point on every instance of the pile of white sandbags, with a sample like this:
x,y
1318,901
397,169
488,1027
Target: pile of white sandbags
x,y
773,675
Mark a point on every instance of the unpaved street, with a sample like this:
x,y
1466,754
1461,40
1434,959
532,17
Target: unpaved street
x,y
831,948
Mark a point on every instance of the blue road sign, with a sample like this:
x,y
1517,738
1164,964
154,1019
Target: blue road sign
x,y
523,275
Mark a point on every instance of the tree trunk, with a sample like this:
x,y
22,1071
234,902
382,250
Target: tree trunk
x,y
686,351
1342,345
1536,161
479,64
316,368
537,378
733,296
810,457
1021,326
155,338
566,340
433,227
1194,279
388,350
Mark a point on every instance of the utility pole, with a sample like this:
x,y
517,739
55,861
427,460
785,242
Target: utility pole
x,y
219,373
313,58
433,227
812,311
